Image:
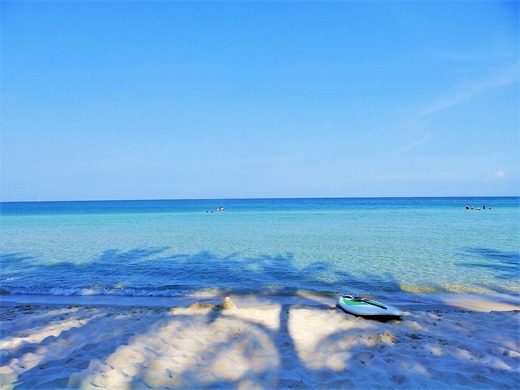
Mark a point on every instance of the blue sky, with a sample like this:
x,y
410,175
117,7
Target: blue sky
x,y
170,99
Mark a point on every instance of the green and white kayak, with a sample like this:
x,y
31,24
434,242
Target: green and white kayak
x,y
367,307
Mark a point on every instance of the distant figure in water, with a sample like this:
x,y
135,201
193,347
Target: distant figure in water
x,y
483,207
467,207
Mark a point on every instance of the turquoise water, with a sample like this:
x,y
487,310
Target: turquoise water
x,y
273,246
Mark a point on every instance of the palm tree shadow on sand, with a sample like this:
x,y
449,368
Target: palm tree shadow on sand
x,y
168,339
245,338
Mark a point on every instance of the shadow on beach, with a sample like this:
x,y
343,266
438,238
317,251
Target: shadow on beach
x,y
281,345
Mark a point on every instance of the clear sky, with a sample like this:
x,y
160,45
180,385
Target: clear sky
x,y
171,99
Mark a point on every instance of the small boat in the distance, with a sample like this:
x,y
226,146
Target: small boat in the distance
x,y
367,307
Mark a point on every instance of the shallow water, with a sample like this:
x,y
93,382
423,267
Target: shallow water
x,y
274,246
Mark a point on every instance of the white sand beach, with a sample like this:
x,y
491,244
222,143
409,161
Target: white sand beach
x,y
263,346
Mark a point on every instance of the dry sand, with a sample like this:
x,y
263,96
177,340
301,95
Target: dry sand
x,y
259,347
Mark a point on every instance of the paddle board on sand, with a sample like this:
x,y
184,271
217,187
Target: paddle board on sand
x,y
367,307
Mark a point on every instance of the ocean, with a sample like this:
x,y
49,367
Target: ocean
x,y
187,248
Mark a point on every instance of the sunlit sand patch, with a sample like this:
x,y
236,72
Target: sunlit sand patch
x,y
319,337
191,347
41,331
480,304
46,332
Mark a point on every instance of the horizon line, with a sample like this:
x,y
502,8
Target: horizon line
x,y
261,198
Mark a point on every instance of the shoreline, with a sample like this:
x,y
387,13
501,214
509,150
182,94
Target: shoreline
x,y
260,344
405,300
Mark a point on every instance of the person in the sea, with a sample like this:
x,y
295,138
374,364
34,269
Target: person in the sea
x,y
467,207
